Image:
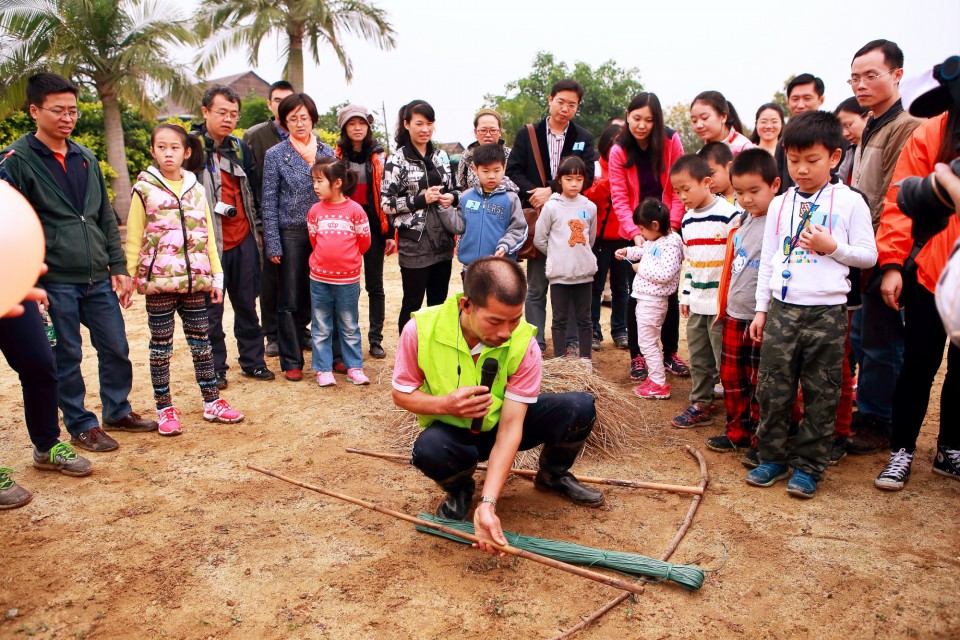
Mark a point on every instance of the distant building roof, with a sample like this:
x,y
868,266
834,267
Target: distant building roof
x,y
242,83
452,148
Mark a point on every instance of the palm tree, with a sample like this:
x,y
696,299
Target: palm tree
x,y
118,47
231,24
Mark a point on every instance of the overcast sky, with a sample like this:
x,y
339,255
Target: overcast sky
x,y
452,54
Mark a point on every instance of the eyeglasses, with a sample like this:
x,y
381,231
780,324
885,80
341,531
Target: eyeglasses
x,y
72,114
300,120
487,132
227,115
867,79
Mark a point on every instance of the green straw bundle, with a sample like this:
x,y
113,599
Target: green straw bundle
x,y
685,575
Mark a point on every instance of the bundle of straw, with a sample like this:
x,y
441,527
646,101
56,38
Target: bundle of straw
x,y
619,422
685,575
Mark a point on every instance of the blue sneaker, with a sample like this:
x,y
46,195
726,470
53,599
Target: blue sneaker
x,y
801,484
767,474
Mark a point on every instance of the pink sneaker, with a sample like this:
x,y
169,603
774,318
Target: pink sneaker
x,y
653,391
169,420
357,376
220,411
326,379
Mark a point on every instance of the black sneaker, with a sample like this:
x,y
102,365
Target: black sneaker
x,y
260,373
221,380
897,471
597,339
723,444
675,365
750,459
947,462
838,450
638,368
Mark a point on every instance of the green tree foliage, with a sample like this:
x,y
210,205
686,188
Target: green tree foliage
x,y
117,47
226,25
255,110
328,120
780,97
678,117
608,88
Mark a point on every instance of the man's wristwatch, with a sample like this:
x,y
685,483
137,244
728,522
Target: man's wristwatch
x,y
492,501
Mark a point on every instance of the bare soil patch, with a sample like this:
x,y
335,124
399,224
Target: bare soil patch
x,y
176,538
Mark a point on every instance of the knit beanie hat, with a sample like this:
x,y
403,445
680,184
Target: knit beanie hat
x,y
487,111
353,111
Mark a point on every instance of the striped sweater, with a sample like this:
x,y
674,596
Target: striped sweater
x,y
705,234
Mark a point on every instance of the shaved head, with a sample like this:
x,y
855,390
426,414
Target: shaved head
x,y
500,277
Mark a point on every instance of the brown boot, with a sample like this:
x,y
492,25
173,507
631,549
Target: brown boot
x,y
131,422
95,440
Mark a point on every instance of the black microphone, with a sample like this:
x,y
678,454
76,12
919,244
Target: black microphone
x,y
488,373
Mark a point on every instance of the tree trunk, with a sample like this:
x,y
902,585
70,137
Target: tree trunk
x,y
116,153
295,58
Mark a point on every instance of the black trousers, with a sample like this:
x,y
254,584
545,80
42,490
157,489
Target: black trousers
x,y
270,300
24,344
432,281
570,304
669,333
373,283
443,450
241,274
294,295
924,337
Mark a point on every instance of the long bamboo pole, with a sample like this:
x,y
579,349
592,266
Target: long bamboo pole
x,y
630,587
681,532
632,484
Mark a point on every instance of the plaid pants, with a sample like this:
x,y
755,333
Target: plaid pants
x,y
739,363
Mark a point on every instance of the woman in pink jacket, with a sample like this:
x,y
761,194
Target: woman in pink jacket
x,y
640,168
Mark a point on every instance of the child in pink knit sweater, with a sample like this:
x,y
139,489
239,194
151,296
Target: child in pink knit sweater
x,y
340,233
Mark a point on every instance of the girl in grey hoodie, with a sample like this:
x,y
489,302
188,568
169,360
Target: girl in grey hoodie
x,y
565,232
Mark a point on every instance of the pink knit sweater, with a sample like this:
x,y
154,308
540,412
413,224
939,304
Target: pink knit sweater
x,y
340,234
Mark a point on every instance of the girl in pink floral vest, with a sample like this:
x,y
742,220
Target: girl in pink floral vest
x,y
172,256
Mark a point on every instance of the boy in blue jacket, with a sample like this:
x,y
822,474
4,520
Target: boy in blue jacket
x,y
491,217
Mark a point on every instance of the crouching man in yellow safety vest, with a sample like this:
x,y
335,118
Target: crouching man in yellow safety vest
x,y
437,376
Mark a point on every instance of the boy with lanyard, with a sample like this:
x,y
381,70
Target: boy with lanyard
x,y
814,233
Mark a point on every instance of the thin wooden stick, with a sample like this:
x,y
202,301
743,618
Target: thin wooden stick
x,y
684,527
632,484
514,551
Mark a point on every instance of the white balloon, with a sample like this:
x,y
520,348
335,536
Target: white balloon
x,y
21,247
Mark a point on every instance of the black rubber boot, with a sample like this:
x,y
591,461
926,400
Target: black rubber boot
x,y
459,490
554,474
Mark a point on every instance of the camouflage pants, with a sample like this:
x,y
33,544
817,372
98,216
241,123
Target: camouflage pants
x,y
805,345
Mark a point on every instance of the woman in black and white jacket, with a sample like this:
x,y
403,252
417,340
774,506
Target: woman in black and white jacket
x,y
419,193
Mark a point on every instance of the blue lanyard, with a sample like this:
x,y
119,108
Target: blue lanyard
x,y
804,218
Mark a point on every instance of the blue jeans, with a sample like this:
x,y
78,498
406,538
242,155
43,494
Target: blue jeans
x,y
882,340
340,301
96,307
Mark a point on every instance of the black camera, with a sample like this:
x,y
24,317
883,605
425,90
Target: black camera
x,y
922,199
224,209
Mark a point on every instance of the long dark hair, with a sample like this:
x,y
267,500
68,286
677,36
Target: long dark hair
x,y
951,139
334,169
407,111
657,134
722,106
346,144
773,106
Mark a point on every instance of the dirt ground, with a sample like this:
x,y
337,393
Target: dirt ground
x,y
176,538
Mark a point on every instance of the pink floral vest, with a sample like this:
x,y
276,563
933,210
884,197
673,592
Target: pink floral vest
x,y
173,253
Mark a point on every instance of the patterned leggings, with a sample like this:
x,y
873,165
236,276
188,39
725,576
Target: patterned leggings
x,y
193,313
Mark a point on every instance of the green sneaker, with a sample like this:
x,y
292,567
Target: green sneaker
x,y
64,459
12,495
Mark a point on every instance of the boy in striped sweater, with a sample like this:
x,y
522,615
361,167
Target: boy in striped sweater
x,y
705,227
